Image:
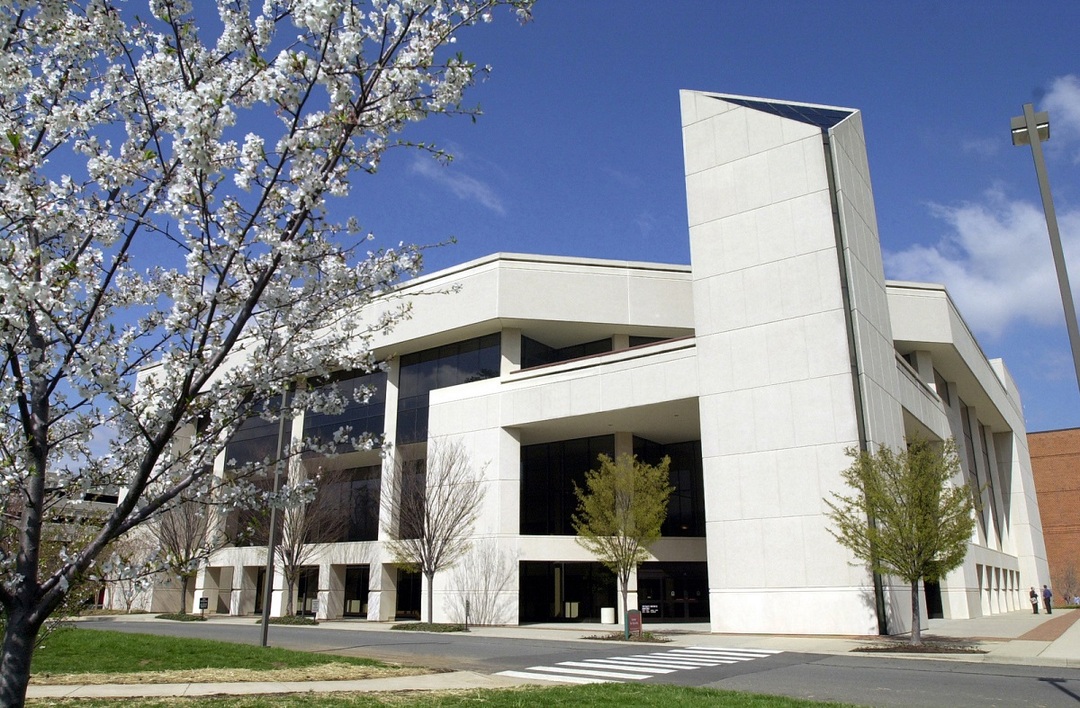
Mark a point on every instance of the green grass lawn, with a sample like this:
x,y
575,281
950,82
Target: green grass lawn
x,y
78,651
609,695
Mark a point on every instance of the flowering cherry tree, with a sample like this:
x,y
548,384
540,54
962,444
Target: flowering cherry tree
x,y
166,178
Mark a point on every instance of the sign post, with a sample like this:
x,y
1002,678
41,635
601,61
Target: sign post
x,y
633,623
204,604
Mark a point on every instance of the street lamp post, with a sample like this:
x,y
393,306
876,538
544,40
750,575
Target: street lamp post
x,y
271,540
1031,129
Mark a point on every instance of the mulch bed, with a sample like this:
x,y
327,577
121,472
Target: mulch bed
x,y
930,645
649,637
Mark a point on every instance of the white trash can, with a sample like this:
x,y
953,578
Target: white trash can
x,y
607,615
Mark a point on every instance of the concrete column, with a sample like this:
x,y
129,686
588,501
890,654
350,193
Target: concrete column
x,y
624,444
331,591
510,349
382,598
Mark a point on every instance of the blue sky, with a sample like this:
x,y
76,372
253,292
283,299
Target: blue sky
x,y
578,151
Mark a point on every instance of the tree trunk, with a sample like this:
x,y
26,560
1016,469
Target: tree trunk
x,y
916,630
290,604
623,582
430,597
184,580
18,649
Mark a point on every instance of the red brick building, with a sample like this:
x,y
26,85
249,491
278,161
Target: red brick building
x,y
1055,462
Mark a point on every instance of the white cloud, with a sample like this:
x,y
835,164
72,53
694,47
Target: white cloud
x,y
995,262
647,223
995,258
462,186
1062,102
983,147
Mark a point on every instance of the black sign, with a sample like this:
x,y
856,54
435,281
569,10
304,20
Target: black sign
x,y
204,603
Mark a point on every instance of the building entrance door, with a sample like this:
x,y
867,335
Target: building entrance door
x,y
673,591
307,591
260,586
357,579
408,595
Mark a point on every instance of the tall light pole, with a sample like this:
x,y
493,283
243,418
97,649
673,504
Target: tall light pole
x,y
271,540
1031,129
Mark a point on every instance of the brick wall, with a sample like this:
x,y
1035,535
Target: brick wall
x,y
1055,461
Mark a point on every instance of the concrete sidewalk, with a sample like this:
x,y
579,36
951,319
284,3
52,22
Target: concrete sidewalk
x,y
1013,638
455,680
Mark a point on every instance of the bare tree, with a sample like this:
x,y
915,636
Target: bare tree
x,y
324,520
186,535
483,578
126,575
1066,583
432,504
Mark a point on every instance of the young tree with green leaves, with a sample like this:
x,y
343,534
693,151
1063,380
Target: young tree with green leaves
x,y
906,517
620,512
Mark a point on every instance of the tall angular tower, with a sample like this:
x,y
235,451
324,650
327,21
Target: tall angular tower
x,y
795,357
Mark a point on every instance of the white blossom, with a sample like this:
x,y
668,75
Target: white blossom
x,y
167,255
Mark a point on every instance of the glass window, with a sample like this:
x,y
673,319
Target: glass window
x,y
449,365
534,353
413,492
356,590
990,478
972,465
942,387
564,591
548,474
686,505
642,341
352,494
251,527
255,440
365,403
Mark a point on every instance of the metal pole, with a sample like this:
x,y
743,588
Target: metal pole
x,y
1032,128
271,540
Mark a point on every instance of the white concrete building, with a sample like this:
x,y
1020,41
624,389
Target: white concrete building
x,y
753,368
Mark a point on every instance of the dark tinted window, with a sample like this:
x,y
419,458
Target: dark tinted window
x,y
353,494
686,505
641,341
534,353
450,365
257,437
365,404
548,474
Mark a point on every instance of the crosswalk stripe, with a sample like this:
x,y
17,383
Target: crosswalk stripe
x,y
681,661
727,653
622,666
630,661
755,651
549,677
721,652
637,667
587,672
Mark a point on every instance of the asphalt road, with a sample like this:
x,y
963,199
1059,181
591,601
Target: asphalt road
x,y
861,680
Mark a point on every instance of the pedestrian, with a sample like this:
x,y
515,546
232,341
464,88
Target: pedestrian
x,y
1046,598
1034,596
